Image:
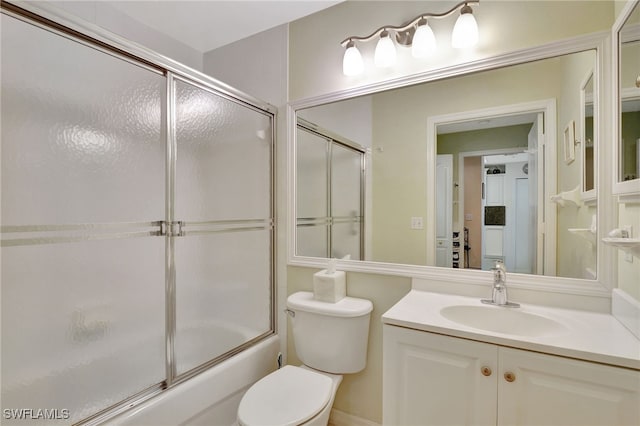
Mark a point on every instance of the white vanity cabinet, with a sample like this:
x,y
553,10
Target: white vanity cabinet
x,y
433,379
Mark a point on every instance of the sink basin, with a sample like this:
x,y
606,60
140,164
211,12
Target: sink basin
x,y
501,320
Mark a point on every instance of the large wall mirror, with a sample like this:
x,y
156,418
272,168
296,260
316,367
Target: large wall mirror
x,y
457,172
628,177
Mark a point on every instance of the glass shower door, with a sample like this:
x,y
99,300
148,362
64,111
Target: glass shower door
x,y
346,202
312,195
82,191
223,197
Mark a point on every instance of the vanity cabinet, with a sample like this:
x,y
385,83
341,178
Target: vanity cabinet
x,y
433,379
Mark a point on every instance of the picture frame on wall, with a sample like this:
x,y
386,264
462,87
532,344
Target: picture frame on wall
x,y
570,142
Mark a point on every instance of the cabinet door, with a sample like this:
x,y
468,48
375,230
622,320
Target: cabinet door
x,y
549,390
430,379
494,190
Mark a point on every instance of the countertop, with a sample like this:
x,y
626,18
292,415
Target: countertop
x,y
583,335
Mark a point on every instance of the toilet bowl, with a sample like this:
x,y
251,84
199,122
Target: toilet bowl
x,y
331,339
290,396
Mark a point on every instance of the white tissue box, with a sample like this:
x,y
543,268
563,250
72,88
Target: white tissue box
x,y
329,287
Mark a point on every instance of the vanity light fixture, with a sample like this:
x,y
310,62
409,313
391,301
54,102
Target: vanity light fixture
x,y
416,34
352,62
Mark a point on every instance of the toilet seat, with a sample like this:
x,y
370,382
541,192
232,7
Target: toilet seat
x,y
289,396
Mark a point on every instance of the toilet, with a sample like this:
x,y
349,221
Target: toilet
x,y
331,339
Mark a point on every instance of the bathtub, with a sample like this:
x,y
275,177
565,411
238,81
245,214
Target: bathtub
x,y
211,398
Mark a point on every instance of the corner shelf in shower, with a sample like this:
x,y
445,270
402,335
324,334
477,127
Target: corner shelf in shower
x,y
586,233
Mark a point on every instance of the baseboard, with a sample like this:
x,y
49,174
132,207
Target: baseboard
x,y
627,310
340,418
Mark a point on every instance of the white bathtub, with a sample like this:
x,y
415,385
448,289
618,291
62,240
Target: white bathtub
x,y
211,398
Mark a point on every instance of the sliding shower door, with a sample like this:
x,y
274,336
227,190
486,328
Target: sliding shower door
x,y
223,198
346,202
312,195
137,225
82,183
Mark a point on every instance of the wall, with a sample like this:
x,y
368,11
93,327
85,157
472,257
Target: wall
x,y
256,65
316,54
315,70
350,119
108,17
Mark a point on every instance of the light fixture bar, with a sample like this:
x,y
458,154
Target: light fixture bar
x,y
409,25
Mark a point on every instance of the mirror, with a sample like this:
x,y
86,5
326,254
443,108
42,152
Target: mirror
x,y
427,150
629,87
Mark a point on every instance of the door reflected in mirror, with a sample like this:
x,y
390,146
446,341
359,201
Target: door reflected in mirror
x,y
481,189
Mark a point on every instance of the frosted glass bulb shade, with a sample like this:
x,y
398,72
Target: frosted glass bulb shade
x,y
465,32
385,54
424,42
352,62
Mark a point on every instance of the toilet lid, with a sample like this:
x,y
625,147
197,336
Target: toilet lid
x,y
289,396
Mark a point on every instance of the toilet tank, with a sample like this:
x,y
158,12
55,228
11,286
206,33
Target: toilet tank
x,y
331,337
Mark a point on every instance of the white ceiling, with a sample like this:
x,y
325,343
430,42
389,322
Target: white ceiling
x,y
487,123
209,24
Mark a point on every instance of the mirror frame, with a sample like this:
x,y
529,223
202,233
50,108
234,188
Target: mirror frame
x,y
626,190
606,211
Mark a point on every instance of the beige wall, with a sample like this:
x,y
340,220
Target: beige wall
x,y
315,69
504,26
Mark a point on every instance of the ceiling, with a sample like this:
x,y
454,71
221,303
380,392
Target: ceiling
x,y
487,123
209,24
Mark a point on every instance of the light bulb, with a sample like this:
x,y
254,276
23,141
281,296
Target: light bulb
x,y
465,32
352,61
385,54
424,42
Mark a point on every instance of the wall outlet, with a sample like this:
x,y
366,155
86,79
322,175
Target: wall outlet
x,y
416,223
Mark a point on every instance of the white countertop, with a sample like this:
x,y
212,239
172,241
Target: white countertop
x,y
584,335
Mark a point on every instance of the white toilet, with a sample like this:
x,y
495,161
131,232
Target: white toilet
x,y
331,339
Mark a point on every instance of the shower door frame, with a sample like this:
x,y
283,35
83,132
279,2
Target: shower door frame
x,y
50,19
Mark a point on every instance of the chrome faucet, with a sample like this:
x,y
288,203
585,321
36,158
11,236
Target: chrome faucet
x,y
499,293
